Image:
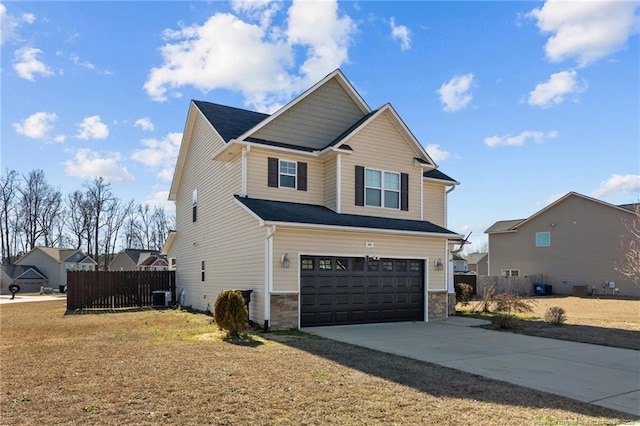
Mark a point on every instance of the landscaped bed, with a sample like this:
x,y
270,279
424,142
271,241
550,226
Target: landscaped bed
x,y
609,321
173,367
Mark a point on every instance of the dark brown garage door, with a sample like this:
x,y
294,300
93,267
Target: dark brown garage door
x,y
355,290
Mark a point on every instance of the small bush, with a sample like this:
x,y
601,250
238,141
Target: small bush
x,y
512,303
555,315
230,313
464,292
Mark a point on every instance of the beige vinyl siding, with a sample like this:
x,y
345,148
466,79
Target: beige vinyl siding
x,y
257,170
380,146
330,184
296,242
316,120
433,198
224,236
122,262
585,247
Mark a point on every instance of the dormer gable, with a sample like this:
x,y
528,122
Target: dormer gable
x,y
315,118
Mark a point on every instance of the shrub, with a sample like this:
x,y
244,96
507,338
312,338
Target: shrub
x,y
512,303
230,313
555,315
464,292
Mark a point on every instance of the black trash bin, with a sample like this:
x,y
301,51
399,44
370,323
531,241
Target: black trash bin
x,y
62,288
246,295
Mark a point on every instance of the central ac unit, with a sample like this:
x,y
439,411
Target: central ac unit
x,y
161,299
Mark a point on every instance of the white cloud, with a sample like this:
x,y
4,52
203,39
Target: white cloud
x,y
160,153
160,198
26,63
586,30
29,18
625,184
145,124
436,153
36,126
92,128
554,91
89,164
59,138
521,139
76,60
402,33
8,24
455,94
254,59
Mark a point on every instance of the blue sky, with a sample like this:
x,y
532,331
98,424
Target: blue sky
x,y
519,101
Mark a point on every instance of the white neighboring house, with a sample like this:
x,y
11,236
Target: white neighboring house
x,y
55,262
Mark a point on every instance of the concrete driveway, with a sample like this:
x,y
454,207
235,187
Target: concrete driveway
x,y
600,375
6,298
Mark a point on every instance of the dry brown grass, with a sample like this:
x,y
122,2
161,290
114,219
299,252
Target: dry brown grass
x,y
172,367
602,321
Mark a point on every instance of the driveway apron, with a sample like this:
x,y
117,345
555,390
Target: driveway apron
x,y
601,375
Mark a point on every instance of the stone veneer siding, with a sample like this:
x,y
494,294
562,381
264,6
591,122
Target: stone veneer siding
x,y
284,311
452,304
438,306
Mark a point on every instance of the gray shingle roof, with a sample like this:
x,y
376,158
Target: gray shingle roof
x,y
280,211
437,174
504,225
14,271
230,122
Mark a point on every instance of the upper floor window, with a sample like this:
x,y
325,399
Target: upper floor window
x,y
194,208
377,188
287,174
382,189
543,239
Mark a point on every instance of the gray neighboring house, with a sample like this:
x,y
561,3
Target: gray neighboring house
x,y
139,260
478,263
27,277
55,262
459,264
575,241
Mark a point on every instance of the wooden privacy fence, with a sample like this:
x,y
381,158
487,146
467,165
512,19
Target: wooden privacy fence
x,y
470,279
511,285
116,289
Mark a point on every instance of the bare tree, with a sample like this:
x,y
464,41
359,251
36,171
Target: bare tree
x,y
630,264
79,219
8,189
98,197
39,206
115,216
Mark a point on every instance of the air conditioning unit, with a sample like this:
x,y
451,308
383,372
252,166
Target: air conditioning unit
x,y
161,299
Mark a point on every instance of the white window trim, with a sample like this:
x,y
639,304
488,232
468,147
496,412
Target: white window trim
x,y
294,175
502,272
382,188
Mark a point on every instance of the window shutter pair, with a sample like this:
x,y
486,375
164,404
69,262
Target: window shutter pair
x,y
273,174
404,189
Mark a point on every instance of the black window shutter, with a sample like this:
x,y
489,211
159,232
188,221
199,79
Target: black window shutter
x,y
302,176
404,191
272,179
359,186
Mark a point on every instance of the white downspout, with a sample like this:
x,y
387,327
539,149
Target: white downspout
x,y
446,202
450,286
244,191
268,275
339,183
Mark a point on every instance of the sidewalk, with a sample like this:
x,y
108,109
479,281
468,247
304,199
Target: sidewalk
x,y
5,299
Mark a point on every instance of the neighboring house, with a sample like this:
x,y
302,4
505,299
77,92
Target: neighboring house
x,y
54,263
139,260
478,263
165,250
27,277
575,241
459,264
331,212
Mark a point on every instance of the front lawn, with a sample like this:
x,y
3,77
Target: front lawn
x,y
173,367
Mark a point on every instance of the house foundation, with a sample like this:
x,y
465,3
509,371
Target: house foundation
x,y
284,311
438,305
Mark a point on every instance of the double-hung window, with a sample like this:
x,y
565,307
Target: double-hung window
x,y
194,208
288,174
382,189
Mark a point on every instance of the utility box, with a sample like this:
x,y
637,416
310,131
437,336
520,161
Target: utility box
x,y
580,290
161,299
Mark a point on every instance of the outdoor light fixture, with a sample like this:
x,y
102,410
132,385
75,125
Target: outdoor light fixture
x,y
285,260
438,264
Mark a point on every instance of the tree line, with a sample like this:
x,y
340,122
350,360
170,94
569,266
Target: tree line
x,y
92,219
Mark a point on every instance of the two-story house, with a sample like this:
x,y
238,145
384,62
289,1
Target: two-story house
x,y
330,211
54,262
139,260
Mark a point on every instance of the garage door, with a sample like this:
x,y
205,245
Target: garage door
x,y
355,290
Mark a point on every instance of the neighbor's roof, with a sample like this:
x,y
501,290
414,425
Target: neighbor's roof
x,y
631,207
474,258
228,121
504,225
17,271
134,254
310,214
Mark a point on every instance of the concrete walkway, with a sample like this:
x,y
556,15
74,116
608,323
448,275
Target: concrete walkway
x,y
6,298
609,377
